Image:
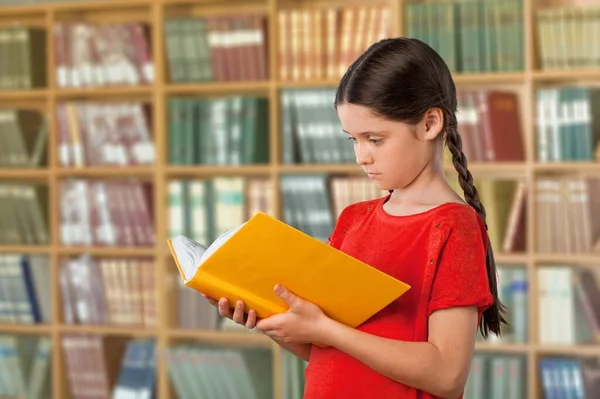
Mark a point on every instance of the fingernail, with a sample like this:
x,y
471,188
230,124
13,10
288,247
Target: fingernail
x,y
278,288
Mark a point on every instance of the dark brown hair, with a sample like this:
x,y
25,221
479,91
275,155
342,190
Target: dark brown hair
x,y
400,79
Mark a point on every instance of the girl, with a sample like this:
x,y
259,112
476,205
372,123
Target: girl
x,y
397,104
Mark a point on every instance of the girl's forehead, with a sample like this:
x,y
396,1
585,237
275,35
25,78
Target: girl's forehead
x,y
357,114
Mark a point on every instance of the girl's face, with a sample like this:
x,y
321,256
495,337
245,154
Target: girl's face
x,y
393,154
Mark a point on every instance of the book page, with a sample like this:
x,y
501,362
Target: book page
x,y
189,253
218,243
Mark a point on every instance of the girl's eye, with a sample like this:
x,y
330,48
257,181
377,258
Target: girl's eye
x,y
376,141
351,138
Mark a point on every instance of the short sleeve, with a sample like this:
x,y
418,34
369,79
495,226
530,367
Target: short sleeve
x,y
334,237
342,224
461,275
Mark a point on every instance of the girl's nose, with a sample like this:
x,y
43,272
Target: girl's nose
x,y
363,157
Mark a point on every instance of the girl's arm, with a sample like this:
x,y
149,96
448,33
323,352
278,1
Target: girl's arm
x,y
439,366
300,350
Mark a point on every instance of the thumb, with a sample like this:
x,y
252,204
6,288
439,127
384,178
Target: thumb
x,y
286,295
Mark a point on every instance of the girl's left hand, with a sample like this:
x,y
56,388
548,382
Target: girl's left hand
x,y
302,323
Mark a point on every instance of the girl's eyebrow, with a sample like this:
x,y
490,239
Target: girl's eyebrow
x,y
367,133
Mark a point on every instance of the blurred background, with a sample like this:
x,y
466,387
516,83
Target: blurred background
x,y
123,123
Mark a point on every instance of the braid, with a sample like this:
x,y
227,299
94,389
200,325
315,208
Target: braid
x,y
492,317
465,179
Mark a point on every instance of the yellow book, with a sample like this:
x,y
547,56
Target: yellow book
x,y
247,262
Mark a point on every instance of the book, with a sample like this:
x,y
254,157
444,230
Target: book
x,y
245,263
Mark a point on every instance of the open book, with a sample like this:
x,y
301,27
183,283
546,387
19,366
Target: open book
x,y
247,262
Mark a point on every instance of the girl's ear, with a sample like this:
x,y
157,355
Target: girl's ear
x,y
432,124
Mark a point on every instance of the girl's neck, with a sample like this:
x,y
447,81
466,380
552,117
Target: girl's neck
x,y
429,188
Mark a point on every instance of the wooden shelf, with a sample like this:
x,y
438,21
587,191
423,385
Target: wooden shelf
x,y
107,251
541,259
102,92
23,94
23,10
25,249
260,87
566,75
96,5
568,167
546,350
214,7
496,169
112,330
108,171
489,78
307,84
512,259
503,347
227,338
567,350
195,171
29,174
29,329
320,168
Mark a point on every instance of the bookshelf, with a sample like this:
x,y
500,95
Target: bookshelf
x,y
154,12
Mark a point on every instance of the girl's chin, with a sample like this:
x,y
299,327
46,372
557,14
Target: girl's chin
x,y
381,185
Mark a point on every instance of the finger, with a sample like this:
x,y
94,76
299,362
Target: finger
x,y
270,323
251,322
224,309
286,295
212,301
238,314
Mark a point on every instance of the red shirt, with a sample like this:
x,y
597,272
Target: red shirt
x,y
440,253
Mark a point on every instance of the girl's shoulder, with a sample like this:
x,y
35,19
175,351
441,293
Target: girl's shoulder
x,y
354,214
461,215
463,227
360,208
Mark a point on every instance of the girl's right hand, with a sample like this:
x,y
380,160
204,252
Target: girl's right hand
x,y
238,314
